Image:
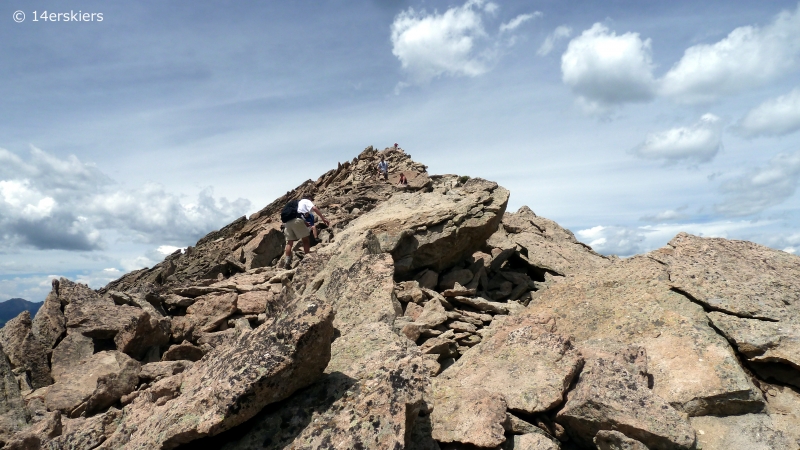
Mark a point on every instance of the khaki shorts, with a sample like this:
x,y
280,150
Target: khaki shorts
x,y
295,229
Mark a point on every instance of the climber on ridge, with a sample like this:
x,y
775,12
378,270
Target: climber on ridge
x,y
295,226
383,168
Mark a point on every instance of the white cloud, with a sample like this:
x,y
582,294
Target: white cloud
x,y
775,117
605,70
430,45
670,215
48,202
514,23
761,187
628,241
168,249
697,143
561,32
749,56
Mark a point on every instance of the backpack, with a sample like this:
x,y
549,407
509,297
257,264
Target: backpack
x,y
289,212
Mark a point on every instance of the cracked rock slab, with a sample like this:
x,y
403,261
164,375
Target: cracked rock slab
x,y
468,415
745,432
524,360
761,341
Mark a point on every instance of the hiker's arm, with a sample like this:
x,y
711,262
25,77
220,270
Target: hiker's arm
x,y
321,216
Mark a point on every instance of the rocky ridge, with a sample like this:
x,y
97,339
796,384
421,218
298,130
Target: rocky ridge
x,y
427,317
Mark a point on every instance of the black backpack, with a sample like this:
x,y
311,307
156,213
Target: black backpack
x,y
289,212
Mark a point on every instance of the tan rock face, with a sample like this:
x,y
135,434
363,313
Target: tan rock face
x,y
468,416
69,353
243,377
748,431
94,383
49,324
25,351
524,360
13,414
210,310
612,394
693,367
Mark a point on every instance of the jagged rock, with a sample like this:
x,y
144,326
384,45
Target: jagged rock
x,y
736,277
427,279
533,441
449,280
693,367
243,376
263,248
614,440
410,292
481,304
25,351
433,314
157,370
468,415
37,434
86,433
69,353
93,383
745,432
174,300
49,323
413,311
254,302
13,413
458,291
142,332
185,351
612,394
546,245
783,407
519,346
210,310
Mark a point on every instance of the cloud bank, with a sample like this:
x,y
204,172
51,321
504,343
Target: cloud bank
x,y
697,143
50,203
761,187
775,117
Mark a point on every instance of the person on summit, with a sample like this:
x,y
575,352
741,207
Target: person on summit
x,y
383,168
295,227
403,181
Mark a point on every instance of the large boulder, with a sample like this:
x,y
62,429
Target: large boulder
x,y
233,382
433,229
468,416
25,351
93,384
524,360
49,324
263,248
13,414
631,303
612,394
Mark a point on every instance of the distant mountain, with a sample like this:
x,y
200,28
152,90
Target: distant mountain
x,y
11,308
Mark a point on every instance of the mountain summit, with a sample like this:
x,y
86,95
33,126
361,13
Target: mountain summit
x,y
425,317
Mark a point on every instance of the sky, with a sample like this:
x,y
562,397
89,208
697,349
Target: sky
x,y
131,129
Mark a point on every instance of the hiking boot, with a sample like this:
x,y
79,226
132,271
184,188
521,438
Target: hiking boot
x,y
288,264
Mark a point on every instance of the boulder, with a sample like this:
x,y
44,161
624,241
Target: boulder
x,y
262,249
14,415
546,245
481,304
184,351
263,366
468,415
157,370
612,394
533,441
254,302
25,351
460,276
49,323
93,384
86,433
210,310
433,314
69,353
631,304
744,432
614,440
520,345
427,279
141,332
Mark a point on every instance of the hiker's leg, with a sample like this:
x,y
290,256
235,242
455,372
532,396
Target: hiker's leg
x,y
314,231
306,245
288,250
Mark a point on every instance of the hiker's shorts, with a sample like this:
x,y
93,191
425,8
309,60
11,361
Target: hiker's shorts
x,y
295,229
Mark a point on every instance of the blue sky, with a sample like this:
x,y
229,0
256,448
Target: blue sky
x,y
624,121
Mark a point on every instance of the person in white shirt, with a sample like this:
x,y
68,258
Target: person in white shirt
x,y
296,229
383,168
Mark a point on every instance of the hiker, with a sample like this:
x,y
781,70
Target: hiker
x,y
383,169
295,227
403,181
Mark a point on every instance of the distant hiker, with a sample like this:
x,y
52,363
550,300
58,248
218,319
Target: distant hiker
x,y
295,227
395,145
383,168
402,181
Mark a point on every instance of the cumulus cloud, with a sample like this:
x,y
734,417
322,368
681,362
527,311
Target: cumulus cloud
x,y
561,32
49,203
453,43
697,143
670,215
774,117
605,69
628,241
429,45
749,56
761,187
